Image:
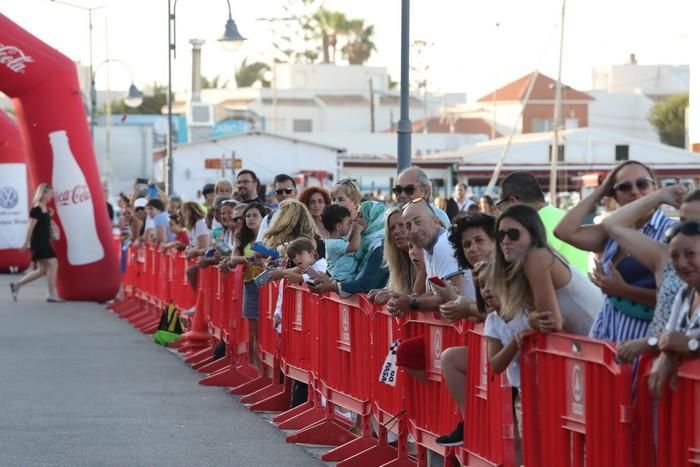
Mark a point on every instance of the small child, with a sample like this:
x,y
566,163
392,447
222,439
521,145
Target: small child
x,y
504,335
181,238
301,252
342,262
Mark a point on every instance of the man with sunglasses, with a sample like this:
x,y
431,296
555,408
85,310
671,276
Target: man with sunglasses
x,y
426,232
413,183
523,188
284,188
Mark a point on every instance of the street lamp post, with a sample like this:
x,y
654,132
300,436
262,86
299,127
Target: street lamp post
x,y
93,95
230,40
404,127
133,98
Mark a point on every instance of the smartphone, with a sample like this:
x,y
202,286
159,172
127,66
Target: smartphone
x,y
258,247
141,181
437,281
152,191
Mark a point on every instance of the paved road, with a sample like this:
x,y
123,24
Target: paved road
x,y
79,387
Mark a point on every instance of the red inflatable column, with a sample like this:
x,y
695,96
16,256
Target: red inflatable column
x,y
15,197
44,86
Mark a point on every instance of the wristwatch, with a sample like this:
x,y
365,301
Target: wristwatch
x,y
693,344
413,304
653,341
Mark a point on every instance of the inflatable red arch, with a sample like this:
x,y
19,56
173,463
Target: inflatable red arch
x,y
15,196
43,85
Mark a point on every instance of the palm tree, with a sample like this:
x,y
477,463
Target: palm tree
x,y
249,74
329,24
360,44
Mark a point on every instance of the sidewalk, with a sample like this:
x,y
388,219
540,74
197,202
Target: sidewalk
x,y
79,387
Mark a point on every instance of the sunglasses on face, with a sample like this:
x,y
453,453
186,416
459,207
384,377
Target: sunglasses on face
x,y
503,203
642,184
512,234
408,189
140,209
283,191
686,228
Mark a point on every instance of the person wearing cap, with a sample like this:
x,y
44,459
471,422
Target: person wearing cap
x,y
140,218
208,191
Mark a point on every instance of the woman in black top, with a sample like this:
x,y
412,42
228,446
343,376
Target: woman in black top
x,y
39,240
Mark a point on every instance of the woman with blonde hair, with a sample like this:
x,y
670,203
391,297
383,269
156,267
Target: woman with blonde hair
x,y
347,194
293,220
403,272
38,238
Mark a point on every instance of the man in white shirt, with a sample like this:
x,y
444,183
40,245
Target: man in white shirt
x,y
426,232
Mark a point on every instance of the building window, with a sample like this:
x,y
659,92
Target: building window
x,y
622,152
302,125
541,124
560,154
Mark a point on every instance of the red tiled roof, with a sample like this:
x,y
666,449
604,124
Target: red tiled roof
x,y
544,89
462,125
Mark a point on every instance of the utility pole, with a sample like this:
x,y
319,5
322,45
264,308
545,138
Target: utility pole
x,y
404,128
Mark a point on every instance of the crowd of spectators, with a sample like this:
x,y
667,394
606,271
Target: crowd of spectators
x,y
518,265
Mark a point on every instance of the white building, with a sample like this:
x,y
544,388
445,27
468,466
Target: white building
x,y
264,153
624,114
309,99
654,81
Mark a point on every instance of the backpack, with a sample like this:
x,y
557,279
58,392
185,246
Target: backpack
x,y
170,326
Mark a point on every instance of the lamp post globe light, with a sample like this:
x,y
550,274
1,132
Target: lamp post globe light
x,y
134,97
231,41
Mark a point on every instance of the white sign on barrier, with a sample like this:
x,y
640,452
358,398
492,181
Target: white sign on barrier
x,y
14,214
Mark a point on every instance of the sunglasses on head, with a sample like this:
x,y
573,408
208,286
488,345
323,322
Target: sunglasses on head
x,y
408,189
512,234
642,183
686,228
283,191
417,201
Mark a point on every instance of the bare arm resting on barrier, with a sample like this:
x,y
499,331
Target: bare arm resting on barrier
x,y
403,303
500,356
539,269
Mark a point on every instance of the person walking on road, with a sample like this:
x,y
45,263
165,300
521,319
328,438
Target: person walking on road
x,y
39,240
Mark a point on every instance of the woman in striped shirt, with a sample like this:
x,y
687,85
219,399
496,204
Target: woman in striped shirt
x,y
628,285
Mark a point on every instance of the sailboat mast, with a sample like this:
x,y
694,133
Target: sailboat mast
x,y
554,157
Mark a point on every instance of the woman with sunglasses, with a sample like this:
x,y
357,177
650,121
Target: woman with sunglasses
x,y
627,284
529,275
654,256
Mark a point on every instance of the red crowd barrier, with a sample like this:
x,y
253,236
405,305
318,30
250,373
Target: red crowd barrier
x,y
579,405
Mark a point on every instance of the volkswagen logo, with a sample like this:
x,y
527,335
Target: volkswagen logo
x,y
8,197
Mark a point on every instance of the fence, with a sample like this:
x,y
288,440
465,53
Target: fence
x,y
579,406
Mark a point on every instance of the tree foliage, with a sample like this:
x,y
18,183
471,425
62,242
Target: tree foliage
x,y
249,74
668,116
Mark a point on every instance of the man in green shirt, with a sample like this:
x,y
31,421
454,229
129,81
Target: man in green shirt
x,y
523,188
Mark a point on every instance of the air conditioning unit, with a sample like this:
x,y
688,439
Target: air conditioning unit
x,y
201,115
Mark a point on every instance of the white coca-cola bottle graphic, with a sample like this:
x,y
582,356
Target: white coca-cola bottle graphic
x,y
74,204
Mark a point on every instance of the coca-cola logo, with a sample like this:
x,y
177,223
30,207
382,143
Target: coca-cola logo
x,y
14,58
8,197
79,194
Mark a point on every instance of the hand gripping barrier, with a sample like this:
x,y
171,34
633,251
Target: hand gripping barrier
x,y
576,403
442,416
488,423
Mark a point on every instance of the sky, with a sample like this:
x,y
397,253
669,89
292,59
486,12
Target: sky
x,y
474,46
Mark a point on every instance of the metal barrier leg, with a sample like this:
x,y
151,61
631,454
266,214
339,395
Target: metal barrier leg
x,y
231,376
328,432
356,446
251,386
